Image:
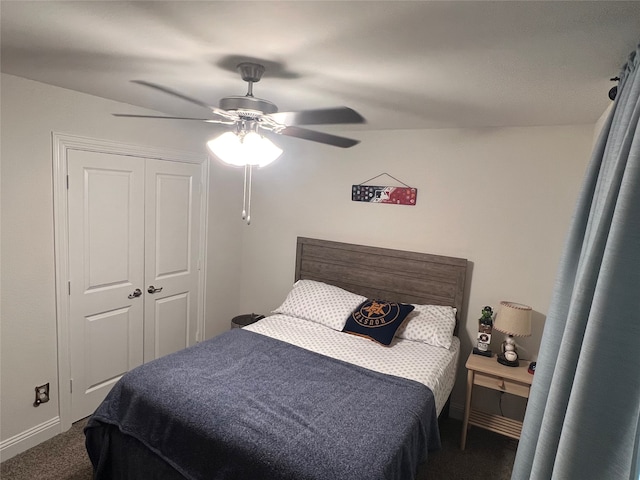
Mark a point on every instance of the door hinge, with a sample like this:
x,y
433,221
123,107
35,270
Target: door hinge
x,y
71,385
69,285
67,182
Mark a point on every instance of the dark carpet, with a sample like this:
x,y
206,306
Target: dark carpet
x,y
488,456
62,457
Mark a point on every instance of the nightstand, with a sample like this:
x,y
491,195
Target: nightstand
x,y
487,372
244,320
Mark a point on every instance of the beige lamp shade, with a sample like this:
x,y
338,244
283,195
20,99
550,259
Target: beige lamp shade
x,y
513,319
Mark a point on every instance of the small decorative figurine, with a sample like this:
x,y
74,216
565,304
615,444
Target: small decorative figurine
x,y
484,333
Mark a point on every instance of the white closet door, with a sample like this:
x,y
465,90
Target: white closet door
x,y
106,266
172,256
134,256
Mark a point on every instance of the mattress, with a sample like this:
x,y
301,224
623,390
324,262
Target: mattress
x,y
434,367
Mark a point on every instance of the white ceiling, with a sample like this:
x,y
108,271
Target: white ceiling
x,y
401,64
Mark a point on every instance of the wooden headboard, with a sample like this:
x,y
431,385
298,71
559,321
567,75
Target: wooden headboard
x,y
382,273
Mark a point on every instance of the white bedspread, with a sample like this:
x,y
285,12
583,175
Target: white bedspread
x,y
432,366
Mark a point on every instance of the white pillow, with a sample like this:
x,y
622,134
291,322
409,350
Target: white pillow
x,y
320,303
431,324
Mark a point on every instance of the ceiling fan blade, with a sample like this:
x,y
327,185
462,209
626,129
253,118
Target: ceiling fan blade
x,y
217,111
319,117
208,120
171,92
319,137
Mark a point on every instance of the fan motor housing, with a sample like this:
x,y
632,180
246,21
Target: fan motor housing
x,y
248,103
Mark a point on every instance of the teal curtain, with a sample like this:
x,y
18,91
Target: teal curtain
x,y
583,414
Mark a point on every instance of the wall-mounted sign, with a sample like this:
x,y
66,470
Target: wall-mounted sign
x,y
384,194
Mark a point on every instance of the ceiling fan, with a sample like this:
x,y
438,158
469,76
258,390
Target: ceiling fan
x,y
247,113
248,117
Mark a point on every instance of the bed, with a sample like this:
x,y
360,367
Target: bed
x,y
292,396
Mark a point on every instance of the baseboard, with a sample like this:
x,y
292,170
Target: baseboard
x,y
29,438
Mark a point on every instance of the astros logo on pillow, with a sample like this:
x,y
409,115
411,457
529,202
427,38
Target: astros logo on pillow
x,y
377,320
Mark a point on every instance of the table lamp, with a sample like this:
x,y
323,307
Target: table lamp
x,y
514,320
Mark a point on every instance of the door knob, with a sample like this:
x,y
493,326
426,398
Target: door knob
x,y
136,293
153,289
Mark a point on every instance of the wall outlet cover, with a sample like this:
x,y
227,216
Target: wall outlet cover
x,y
42,394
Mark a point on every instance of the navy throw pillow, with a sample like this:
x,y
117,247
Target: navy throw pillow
x,y
377,320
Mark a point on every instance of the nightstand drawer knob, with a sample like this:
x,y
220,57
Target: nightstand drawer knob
x,y
502,385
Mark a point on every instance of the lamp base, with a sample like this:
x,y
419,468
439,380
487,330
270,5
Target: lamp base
x,y
485,353
503,361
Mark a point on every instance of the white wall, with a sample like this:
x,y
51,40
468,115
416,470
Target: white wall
x,y
502,198
30,112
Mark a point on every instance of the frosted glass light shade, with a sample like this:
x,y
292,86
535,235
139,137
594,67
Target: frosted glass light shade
x,y
250,149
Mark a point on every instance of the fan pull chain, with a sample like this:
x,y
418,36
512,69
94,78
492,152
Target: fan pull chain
x,y
244,194
246,198
249,196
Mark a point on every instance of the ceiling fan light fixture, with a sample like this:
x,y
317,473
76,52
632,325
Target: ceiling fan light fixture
x,y
248,116
249,148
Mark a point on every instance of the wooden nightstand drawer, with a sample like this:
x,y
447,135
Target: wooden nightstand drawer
x,y
501,384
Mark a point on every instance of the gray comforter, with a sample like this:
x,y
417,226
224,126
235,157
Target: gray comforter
x,y
246,406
